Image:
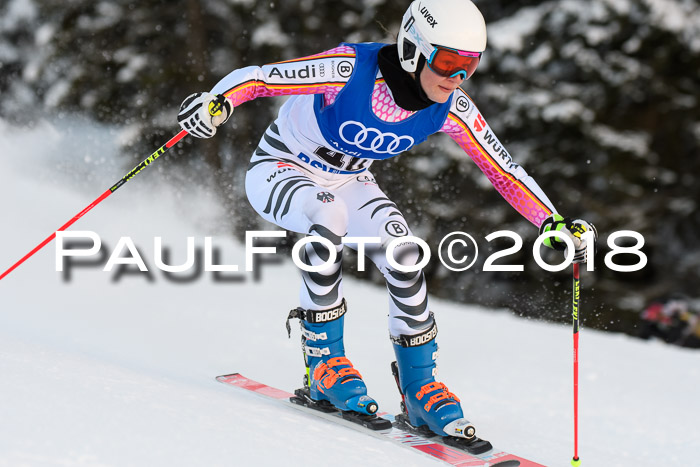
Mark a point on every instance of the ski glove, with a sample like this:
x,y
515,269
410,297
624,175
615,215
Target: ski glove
x,y
202,112
574,229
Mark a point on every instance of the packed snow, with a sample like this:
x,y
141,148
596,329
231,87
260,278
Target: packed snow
x,y
109,369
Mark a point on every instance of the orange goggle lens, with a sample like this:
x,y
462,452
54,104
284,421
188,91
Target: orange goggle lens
x,y
450,62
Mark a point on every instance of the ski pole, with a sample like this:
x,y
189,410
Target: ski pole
x,y
575,462
159,152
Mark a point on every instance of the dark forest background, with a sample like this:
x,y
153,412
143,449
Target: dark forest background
x,y
598,100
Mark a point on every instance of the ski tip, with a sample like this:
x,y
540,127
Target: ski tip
x,y
227,377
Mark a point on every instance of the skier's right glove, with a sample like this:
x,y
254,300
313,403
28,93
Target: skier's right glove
x,y
202,112
574,229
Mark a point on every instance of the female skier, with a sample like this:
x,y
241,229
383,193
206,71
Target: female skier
x,y
310,174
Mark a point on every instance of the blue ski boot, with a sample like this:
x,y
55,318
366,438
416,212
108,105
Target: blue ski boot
x,y
329,374
426,402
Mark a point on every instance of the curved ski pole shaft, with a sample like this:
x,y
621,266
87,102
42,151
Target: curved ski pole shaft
x,y
575,462
159,152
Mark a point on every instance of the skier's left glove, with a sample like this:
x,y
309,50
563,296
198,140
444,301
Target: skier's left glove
x,y
574,229
202,112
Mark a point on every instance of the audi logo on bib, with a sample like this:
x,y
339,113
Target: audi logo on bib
x,y
371,139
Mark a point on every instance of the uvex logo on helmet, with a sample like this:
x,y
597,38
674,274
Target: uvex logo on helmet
x,y
428,17
371,139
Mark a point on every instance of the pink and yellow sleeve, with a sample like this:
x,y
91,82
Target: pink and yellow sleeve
x,y
468,128
323,73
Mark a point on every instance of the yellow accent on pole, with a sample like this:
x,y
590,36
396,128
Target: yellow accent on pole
x,y
215,108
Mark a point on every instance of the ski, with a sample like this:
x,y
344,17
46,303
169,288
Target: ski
x,y
373,422
474,445
383,426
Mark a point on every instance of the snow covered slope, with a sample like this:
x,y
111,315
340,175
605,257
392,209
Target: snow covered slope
x,y
104,369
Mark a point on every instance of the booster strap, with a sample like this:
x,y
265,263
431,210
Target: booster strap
x,y
316,316
417,339
325,316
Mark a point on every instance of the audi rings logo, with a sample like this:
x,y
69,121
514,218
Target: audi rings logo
x,y
371,139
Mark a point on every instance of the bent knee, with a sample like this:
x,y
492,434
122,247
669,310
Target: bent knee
x,y
405,252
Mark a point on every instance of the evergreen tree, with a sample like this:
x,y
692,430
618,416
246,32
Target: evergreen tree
x,y
597,100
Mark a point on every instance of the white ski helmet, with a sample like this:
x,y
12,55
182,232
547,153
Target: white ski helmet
x,y
455,24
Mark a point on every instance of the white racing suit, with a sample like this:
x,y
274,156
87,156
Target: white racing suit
x,y
309,174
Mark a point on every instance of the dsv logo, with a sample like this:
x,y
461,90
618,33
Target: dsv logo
x,y
371,139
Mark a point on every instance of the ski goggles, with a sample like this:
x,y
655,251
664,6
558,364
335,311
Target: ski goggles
x,y
448,62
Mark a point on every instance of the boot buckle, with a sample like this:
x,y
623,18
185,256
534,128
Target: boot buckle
x,y
443,397
430,387
440,396
312,336
316,352
327,376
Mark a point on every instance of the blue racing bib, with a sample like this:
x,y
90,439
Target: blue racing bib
x,y
351,126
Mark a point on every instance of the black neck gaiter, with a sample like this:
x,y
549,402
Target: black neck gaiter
x,y
407,91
